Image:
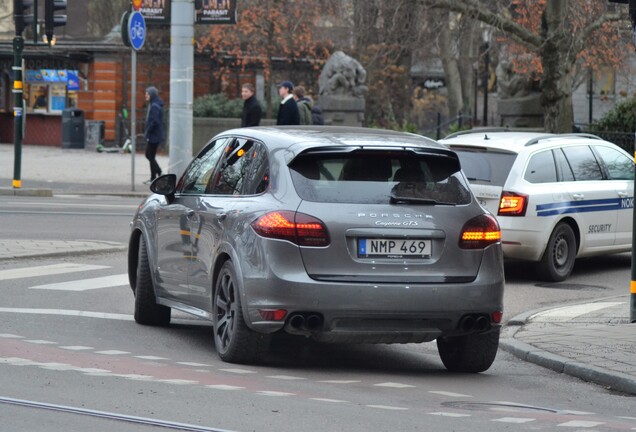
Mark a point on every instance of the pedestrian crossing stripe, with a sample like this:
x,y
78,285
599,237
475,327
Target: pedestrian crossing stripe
x,y
87,284
47,270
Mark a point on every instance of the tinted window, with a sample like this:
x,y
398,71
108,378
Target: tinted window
x,y
541,168
563,166
619,166
583,163
482,166
379,177
196,178
234,168
257,180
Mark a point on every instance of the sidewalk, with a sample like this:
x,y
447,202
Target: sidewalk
x,y
592,341
49,170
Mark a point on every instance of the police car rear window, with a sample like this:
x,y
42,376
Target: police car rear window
x,y
485,166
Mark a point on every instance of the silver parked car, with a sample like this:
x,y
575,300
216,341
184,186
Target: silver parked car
x,y
346,235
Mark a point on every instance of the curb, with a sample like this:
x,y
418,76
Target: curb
x,y
614,380
26,192
66,253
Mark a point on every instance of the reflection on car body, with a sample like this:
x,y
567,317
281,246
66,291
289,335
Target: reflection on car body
x,y
340,234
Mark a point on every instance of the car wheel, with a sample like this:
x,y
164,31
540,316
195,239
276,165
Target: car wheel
x,y
470,353
235,342
558,259
147,311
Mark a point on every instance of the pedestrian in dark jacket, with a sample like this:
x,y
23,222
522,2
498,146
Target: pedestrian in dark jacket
x,y
288,113
252,111
154,131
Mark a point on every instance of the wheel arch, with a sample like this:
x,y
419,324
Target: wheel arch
x,y
575,228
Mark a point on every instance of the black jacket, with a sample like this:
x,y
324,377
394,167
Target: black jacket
x,y
251,112
154,130
288,113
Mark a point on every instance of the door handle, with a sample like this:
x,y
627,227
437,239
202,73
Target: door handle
x,y
578,196
622,194
221,216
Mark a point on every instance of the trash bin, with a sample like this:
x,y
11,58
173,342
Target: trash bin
x,y
94,134
72,128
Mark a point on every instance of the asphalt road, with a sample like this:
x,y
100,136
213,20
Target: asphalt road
x,y
67,339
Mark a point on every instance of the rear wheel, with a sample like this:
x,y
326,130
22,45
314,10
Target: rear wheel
x,y
558,259
470,353
235,342
147,311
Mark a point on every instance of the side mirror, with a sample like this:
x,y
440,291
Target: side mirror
x,y
165,185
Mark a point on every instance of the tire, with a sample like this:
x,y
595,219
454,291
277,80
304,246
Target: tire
x,y
235,342
470,353
147,311
559,256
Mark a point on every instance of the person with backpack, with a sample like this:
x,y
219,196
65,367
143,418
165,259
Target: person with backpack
x,y
305,104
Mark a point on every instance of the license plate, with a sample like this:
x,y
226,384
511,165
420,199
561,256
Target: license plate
x,y
394,248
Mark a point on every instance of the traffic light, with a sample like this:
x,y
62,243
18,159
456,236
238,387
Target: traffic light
x,y
20,17
51,20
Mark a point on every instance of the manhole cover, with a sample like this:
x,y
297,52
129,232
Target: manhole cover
x,y
496,406
570,286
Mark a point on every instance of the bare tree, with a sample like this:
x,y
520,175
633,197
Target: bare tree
x,y
558,42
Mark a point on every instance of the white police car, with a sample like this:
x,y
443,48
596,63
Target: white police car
x,y
556,197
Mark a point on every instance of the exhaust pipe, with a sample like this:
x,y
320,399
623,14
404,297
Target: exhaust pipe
x,y
297,321
467,323
313,322
482,323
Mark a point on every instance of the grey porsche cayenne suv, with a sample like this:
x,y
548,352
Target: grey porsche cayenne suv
x,y
346,235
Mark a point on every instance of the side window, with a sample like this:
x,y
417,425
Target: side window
x,y
583,163
197,176
234,168
619,166
257,180
563,166
541,168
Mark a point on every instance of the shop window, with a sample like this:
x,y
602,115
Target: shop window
x,y
51,91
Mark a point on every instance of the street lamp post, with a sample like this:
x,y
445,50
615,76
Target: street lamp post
x,y
486,39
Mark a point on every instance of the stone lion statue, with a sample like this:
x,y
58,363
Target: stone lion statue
x,y
511,84
343,75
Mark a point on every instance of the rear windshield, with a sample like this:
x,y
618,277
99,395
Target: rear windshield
x,y
483,166
367,177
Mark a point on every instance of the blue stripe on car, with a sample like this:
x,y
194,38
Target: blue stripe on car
x,y
585,206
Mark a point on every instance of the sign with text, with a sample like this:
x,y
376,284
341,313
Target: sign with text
x,y
155,11
215,12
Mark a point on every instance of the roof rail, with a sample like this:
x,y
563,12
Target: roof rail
x,y
478,130
535,140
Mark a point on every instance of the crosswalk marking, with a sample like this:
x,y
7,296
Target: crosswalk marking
x,y
388,407
47,270
87,284
393,385
516,420
449,394
580,424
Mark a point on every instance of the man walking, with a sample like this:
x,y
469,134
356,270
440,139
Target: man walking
x,y
305,104
153,131
252,111
288,113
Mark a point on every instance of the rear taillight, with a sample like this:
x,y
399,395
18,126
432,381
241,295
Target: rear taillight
x,y
480,232
298,228
513,204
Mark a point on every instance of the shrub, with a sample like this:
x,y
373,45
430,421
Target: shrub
x,y
621,118
217,105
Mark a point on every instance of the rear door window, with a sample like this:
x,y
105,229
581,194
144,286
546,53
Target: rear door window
x,y
234,168
378,177
583,163
485,166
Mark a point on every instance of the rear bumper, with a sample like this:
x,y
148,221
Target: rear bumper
x,y
382,312
522,244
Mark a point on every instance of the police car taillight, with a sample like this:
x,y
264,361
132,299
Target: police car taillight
x,y
479,232
512,204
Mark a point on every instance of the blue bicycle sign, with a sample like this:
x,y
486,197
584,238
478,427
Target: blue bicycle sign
x,y
136,30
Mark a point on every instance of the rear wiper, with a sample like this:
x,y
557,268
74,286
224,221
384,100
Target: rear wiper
x,y
396,199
